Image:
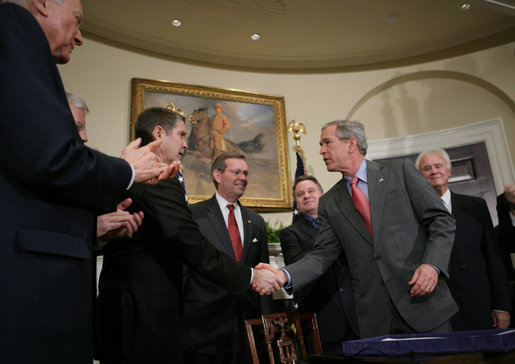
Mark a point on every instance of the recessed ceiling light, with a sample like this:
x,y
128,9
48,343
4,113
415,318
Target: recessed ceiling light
x,y
465,7
176,23
255,36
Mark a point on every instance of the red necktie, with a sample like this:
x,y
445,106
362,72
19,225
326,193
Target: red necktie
x,y
361,203
234,233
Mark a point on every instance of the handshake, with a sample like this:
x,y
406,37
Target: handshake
x,y
267,279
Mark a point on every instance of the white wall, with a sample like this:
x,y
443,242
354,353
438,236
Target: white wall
x,y
390,102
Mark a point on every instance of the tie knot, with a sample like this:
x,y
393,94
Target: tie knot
x,y
354,181
230,207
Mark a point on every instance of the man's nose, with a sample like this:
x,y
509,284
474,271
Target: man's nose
x,y
78,38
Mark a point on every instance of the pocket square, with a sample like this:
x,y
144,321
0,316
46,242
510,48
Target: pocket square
x,y
255,240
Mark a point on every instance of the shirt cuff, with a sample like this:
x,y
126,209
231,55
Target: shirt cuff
x,y
132,177
512,219
438,270
288,285
251,275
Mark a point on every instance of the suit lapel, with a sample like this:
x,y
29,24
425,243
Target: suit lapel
x,y
376,183
217,222
307,228
344,202
247,232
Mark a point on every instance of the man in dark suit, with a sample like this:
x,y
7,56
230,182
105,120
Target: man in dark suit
x,y
398,245
141,283
506,227
213,317
51,187
477,277
330,297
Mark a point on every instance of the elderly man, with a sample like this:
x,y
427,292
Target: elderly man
x,y
213,317
394,231
477,277
51,186
141,284
112,225
330,297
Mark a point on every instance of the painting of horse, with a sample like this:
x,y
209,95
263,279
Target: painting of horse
x,y
218,121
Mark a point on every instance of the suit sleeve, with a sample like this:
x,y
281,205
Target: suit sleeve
x,y
41,149
266,301
315,263
292,252
433,215
166,204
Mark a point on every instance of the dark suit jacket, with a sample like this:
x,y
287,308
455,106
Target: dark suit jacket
x,y
506,233
210,311
477,277
140,291
330,297
50,184
410,226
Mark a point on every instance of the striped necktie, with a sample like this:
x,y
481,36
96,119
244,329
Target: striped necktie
x,y
361,203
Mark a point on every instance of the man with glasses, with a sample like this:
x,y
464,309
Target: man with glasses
x,y
213,317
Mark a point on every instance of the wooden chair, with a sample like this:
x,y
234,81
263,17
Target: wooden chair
x,y
282,335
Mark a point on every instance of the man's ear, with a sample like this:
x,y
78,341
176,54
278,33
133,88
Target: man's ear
x,y
217,175
158,132
41,7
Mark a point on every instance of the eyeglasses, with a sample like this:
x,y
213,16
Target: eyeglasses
x,y
235,172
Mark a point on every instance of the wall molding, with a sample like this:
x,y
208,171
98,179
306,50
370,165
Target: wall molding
x,y
491,132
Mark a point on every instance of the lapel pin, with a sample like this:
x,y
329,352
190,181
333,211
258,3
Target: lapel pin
x,y
248,221
381,180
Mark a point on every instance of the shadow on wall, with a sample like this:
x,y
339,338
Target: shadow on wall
x,y
400,110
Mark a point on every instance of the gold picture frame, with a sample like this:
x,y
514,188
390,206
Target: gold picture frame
x,y
257,128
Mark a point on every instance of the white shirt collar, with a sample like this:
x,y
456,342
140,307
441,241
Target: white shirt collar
x,y
446,198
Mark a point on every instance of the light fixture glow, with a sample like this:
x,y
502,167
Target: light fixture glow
x,y
393,17
176,23
255,36
465,7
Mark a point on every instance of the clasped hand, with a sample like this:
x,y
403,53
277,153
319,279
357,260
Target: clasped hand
x,y
267,279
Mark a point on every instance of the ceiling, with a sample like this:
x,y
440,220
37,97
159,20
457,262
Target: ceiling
x,y
310,35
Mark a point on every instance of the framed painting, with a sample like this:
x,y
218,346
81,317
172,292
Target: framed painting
x,y
219,120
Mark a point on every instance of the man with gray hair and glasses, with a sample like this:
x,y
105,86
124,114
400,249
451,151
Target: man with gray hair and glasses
x,y
394,231
52,187
477,277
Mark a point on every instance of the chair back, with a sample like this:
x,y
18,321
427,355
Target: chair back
x,y
282,336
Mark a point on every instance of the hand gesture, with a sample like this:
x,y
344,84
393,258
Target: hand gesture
x,y
118,224
148,167
501,319
424,280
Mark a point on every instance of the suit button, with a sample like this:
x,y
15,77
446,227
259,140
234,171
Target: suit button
x,y
463,266
378,258
340,289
